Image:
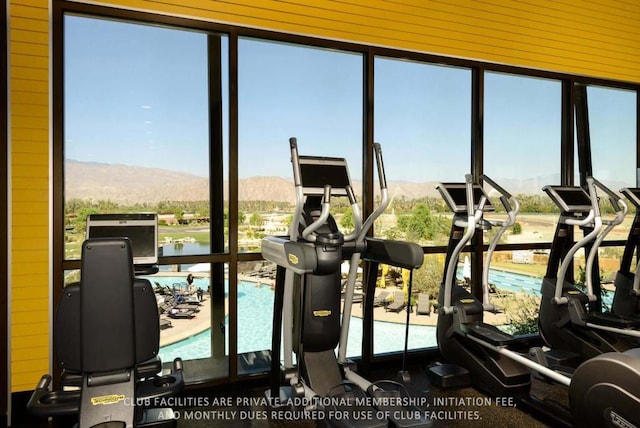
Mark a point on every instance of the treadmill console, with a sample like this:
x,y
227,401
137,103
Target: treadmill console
x,y
317,172
570,199
632,194
455,195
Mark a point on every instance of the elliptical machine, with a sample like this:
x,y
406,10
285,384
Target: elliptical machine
x,y
626,298
571,319
604,391
307,302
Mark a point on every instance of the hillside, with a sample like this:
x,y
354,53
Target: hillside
x,y
127,184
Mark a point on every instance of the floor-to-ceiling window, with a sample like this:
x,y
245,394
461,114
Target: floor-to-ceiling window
x,y
606,148
143,132
522,137
422,119
288,91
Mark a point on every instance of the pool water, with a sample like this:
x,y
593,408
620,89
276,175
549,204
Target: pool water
x,y
255,309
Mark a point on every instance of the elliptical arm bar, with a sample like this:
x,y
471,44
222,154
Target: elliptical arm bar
x,y
496,186
621,210
564,267
593,216
307,233
512,206
616,200
377,151
295,161
359,235
293,146
635,291
471,229
384,195
357,216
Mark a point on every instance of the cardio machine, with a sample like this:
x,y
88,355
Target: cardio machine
x,y
626,298
602,391
571,319
308,292
107,336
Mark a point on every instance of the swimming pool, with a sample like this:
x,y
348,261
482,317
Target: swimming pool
x,y
255,304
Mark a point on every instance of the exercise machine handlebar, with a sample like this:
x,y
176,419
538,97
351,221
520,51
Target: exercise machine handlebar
x,y
473,217
620,208
308,232
512,207
594,219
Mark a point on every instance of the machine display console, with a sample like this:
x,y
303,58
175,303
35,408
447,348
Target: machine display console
x,y
141,229
316,172
455,195
569,199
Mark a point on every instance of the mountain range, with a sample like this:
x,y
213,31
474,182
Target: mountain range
x,y
126,184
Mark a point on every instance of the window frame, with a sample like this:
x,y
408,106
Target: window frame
x,y
231,256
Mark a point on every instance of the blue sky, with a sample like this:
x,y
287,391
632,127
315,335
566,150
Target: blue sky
x,y
138,94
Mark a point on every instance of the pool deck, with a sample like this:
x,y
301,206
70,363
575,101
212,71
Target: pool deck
x,y
184,328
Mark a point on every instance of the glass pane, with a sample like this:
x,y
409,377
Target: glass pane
x,y
423,122
189,303
515,279
612,127
256,282
522,134
391,304
136,127
285,91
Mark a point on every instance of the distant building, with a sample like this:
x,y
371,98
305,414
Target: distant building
x,y
522,257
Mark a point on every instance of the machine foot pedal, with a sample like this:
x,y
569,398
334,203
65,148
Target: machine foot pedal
x,y
449,376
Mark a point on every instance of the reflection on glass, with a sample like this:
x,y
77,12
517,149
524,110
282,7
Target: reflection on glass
x,y
423,122
136,127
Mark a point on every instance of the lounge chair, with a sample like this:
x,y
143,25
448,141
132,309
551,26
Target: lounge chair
x,y
165,323
381,299
424,304
398,302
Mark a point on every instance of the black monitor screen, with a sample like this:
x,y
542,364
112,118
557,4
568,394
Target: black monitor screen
x,y
569,199
458,196
574,197
140,229
317,175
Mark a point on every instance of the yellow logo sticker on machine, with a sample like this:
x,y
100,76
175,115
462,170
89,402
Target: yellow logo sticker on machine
x,y
465,301
322,313
573,292
293,259
107,399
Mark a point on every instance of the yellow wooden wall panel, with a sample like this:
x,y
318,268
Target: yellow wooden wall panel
x,y
30,292
598,38
29,24
29,128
